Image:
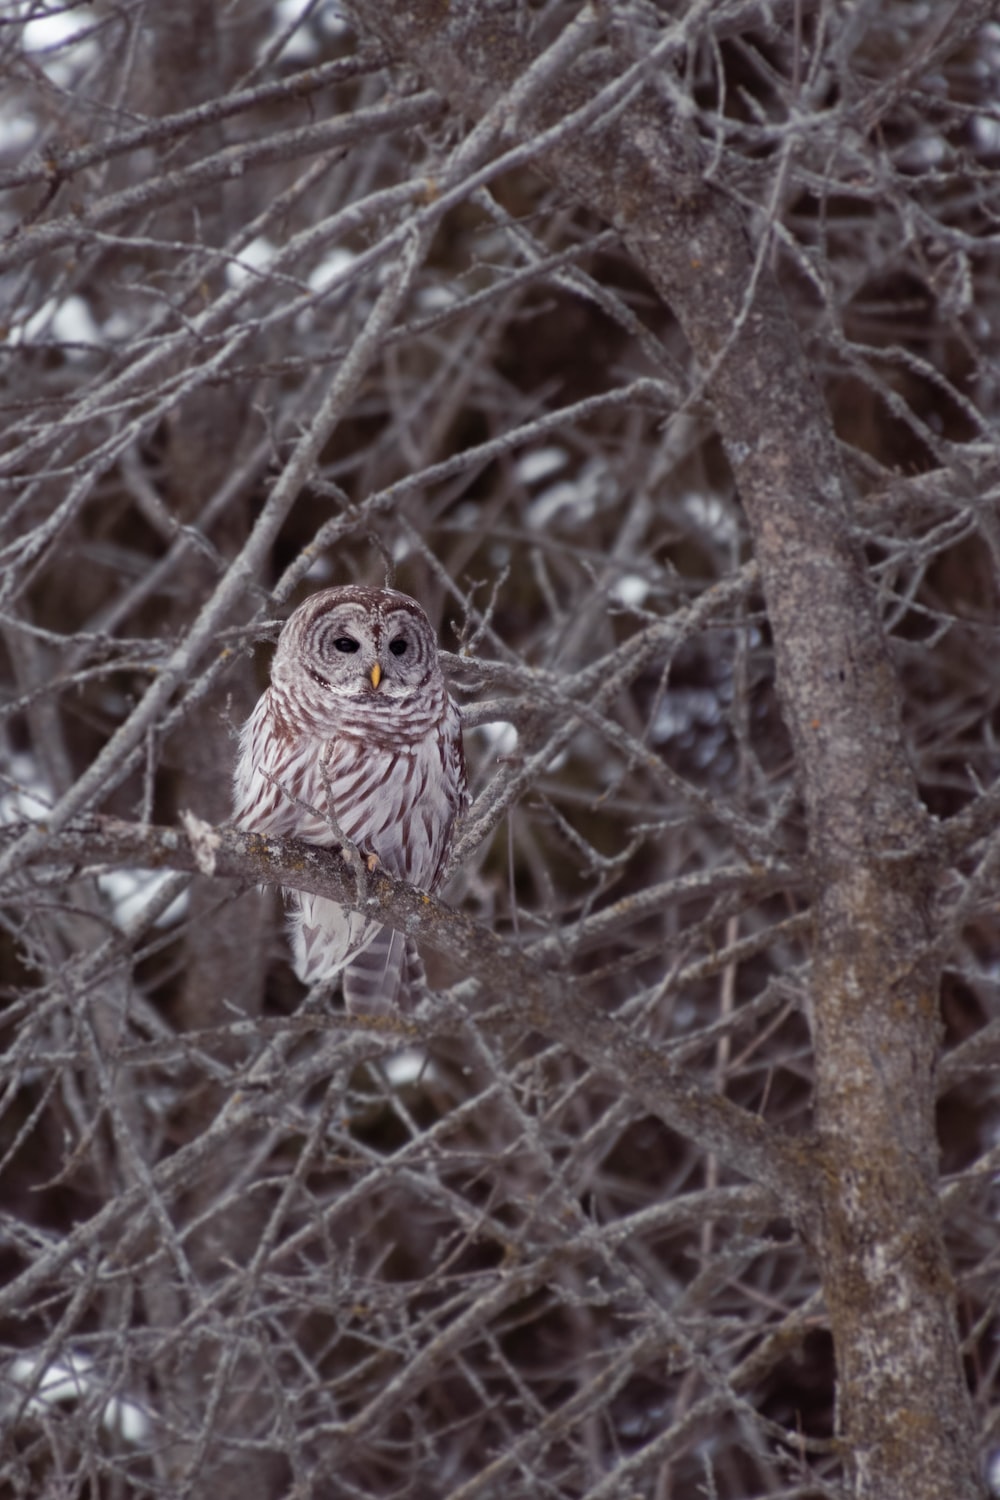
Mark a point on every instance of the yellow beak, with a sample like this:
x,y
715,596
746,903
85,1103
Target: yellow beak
x,y
376,675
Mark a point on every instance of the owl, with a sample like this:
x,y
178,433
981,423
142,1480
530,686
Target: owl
x,y
356,738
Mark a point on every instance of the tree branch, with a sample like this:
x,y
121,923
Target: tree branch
x,y
521,992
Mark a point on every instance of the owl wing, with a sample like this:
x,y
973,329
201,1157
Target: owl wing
x,y
268,764
454,788
279,790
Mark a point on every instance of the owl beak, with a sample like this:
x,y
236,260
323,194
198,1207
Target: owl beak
x,y
376,675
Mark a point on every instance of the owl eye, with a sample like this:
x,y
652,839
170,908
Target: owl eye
x,y
346,643
398,646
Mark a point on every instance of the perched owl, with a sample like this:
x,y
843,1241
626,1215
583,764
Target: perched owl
x,y
356,733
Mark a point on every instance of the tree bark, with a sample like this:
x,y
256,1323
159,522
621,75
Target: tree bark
x,y
903,1411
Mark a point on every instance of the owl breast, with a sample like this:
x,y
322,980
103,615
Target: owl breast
x,y
393,797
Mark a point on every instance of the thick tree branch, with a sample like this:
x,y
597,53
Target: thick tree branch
x,y
521,992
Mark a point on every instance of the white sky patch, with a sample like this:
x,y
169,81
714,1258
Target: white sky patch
x,y
685,1015
708,512
683,713
119,326
49,40
255,257
986,130
128,891
24,793
326,19
631,589
72,1378
67,322
434,298
578,498
301,45
993,1472
539,463
928,150
408,1066
466,514
20,132
320,570
335,264
500,738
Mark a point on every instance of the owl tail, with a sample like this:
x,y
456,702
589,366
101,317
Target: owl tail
x,y
388,972
325,936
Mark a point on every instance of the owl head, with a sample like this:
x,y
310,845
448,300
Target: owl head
x,y
356,646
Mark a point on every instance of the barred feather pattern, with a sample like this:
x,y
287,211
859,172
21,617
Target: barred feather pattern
x,y
356,738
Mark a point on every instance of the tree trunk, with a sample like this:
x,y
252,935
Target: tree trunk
x,y
903,1410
